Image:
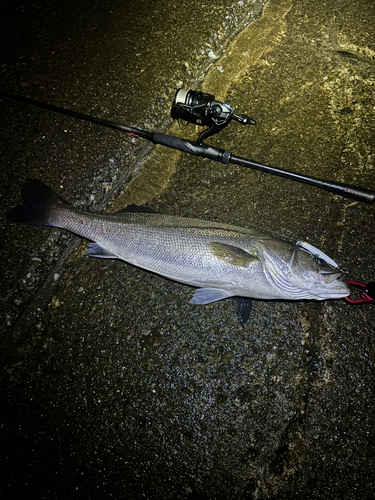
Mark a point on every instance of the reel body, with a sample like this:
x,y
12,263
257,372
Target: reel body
x,y
203,110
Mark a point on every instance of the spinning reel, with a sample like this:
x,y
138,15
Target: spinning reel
x,y
202,109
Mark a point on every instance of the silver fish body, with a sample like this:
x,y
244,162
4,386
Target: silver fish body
x,y
219,259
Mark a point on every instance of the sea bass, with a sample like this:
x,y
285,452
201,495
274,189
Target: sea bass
x,y
219,259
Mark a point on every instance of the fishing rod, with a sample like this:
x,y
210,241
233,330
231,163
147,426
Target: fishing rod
x,y
202,109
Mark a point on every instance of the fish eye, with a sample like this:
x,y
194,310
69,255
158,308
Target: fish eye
x,y
320,261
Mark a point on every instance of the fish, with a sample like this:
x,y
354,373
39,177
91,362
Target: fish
x,y
219,260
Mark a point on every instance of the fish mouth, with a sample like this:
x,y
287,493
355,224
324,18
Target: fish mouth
x,y
331,276
339,288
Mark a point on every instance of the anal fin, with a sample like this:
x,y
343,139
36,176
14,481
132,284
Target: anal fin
x,y
97,250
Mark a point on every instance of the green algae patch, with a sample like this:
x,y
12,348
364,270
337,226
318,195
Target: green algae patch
x,y
258,38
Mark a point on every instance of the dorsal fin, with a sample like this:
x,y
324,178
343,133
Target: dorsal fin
x,y
136,209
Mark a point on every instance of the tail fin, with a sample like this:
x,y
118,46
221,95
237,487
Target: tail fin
x,y
39,199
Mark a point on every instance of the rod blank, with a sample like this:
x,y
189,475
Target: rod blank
x,y
345,190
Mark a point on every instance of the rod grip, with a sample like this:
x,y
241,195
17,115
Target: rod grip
x,y
191,147
348,191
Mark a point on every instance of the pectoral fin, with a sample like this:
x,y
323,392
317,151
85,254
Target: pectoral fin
x,y
232,255
208,295
96,250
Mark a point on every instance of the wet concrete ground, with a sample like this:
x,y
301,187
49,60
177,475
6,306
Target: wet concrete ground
x,y
112,384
